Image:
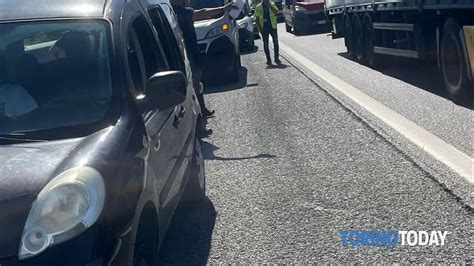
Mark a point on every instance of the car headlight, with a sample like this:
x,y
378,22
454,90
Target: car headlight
x,y
243,25
221,29
300,8
66,207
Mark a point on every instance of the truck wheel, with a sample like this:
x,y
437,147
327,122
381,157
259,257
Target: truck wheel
x,y
358,39
348,35
195,190
287,27
373,60
453,63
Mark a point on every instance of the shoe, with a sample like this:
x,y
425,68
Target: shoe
x,y
203,133
277,61
206,112
269,62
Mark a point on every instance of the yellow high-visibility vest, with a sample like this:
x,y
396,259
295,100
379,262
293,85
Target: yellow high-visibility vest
x,y
258,15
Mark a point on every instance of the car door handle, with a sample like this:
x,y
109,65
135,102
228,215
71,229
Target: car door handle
x,y
157,145
176,121
182,111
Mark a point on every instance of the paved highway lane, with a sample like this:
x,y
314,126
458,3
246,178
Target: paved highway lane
x,y
412,91
288,167
412,88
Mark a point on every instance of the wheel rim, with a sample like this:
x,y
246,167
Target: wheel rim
x,y
452,62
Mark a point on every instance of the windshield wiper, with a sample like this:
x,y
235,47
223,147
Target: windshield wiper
x,y
18,137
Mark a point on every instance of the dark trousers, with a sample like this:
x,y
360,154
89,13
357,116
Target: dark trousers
x,y
197,74
276,48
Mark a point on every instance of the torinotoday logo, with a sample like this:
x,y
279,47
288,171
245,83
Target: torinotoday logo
x,y
379,238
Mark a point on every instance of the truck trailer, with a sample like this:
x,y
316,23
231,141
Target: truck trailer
x,y
441,31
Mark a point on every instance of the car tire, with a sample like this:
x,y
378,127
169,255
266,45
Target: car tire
x,y
195,190
453,64
348,36
287,27
147,240
234,75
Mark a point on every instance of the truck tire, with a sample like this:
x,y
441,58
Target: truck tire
x,y
287,27
373,60
358,38
453,63
348,36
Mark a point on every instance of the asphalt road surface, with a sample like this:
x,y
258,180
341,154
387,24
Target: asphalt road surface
x,y
289,166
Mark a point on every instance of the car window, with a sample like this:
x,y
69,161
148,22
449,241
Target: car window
x,y
145,56
167,39
53,74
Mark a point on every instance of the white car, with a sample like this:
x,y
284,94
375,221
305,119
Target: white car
x,y
246,29
218,39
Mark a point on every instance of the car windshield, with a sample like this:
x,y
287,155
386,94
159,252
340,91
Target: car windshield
x,y
53,75
199,4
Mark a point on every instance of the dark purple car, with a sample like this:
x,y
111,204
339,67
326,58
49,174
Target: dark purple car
x,y
97,131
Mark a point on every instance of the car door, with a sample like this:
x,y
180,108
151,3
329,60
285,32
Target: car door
x,y
145,57
188,110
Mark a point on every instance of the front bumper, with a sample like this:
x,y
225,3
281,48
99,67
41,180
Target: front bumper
x,y
95,246
311,21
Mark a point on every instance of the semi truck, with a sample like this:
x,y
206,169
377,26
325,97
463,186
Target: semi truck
x,y
440,31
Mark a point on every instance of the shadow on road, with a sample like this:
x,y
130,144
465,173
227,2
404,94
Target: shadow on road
x,y
188,240
423,75
209,148
209,89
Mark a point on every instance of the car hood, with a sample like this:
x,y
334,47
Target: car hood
x,y
25,169
204,26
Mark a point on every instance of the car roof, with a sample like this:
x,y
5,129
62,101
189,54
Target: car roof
x,y
44,9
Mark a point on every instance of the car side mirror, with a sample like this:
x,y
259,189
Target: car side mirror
x,y
164,90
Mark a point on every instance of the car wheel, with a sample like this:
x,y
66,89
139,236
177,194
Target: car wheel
x,y
453,63
287,27
348,36
195,190
146,242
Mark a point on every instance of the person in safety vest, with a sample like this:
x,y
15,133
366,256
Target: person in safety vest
x,y
266,16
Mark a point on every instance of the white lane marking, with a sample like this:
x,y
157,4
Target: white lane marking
x,y
458,161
